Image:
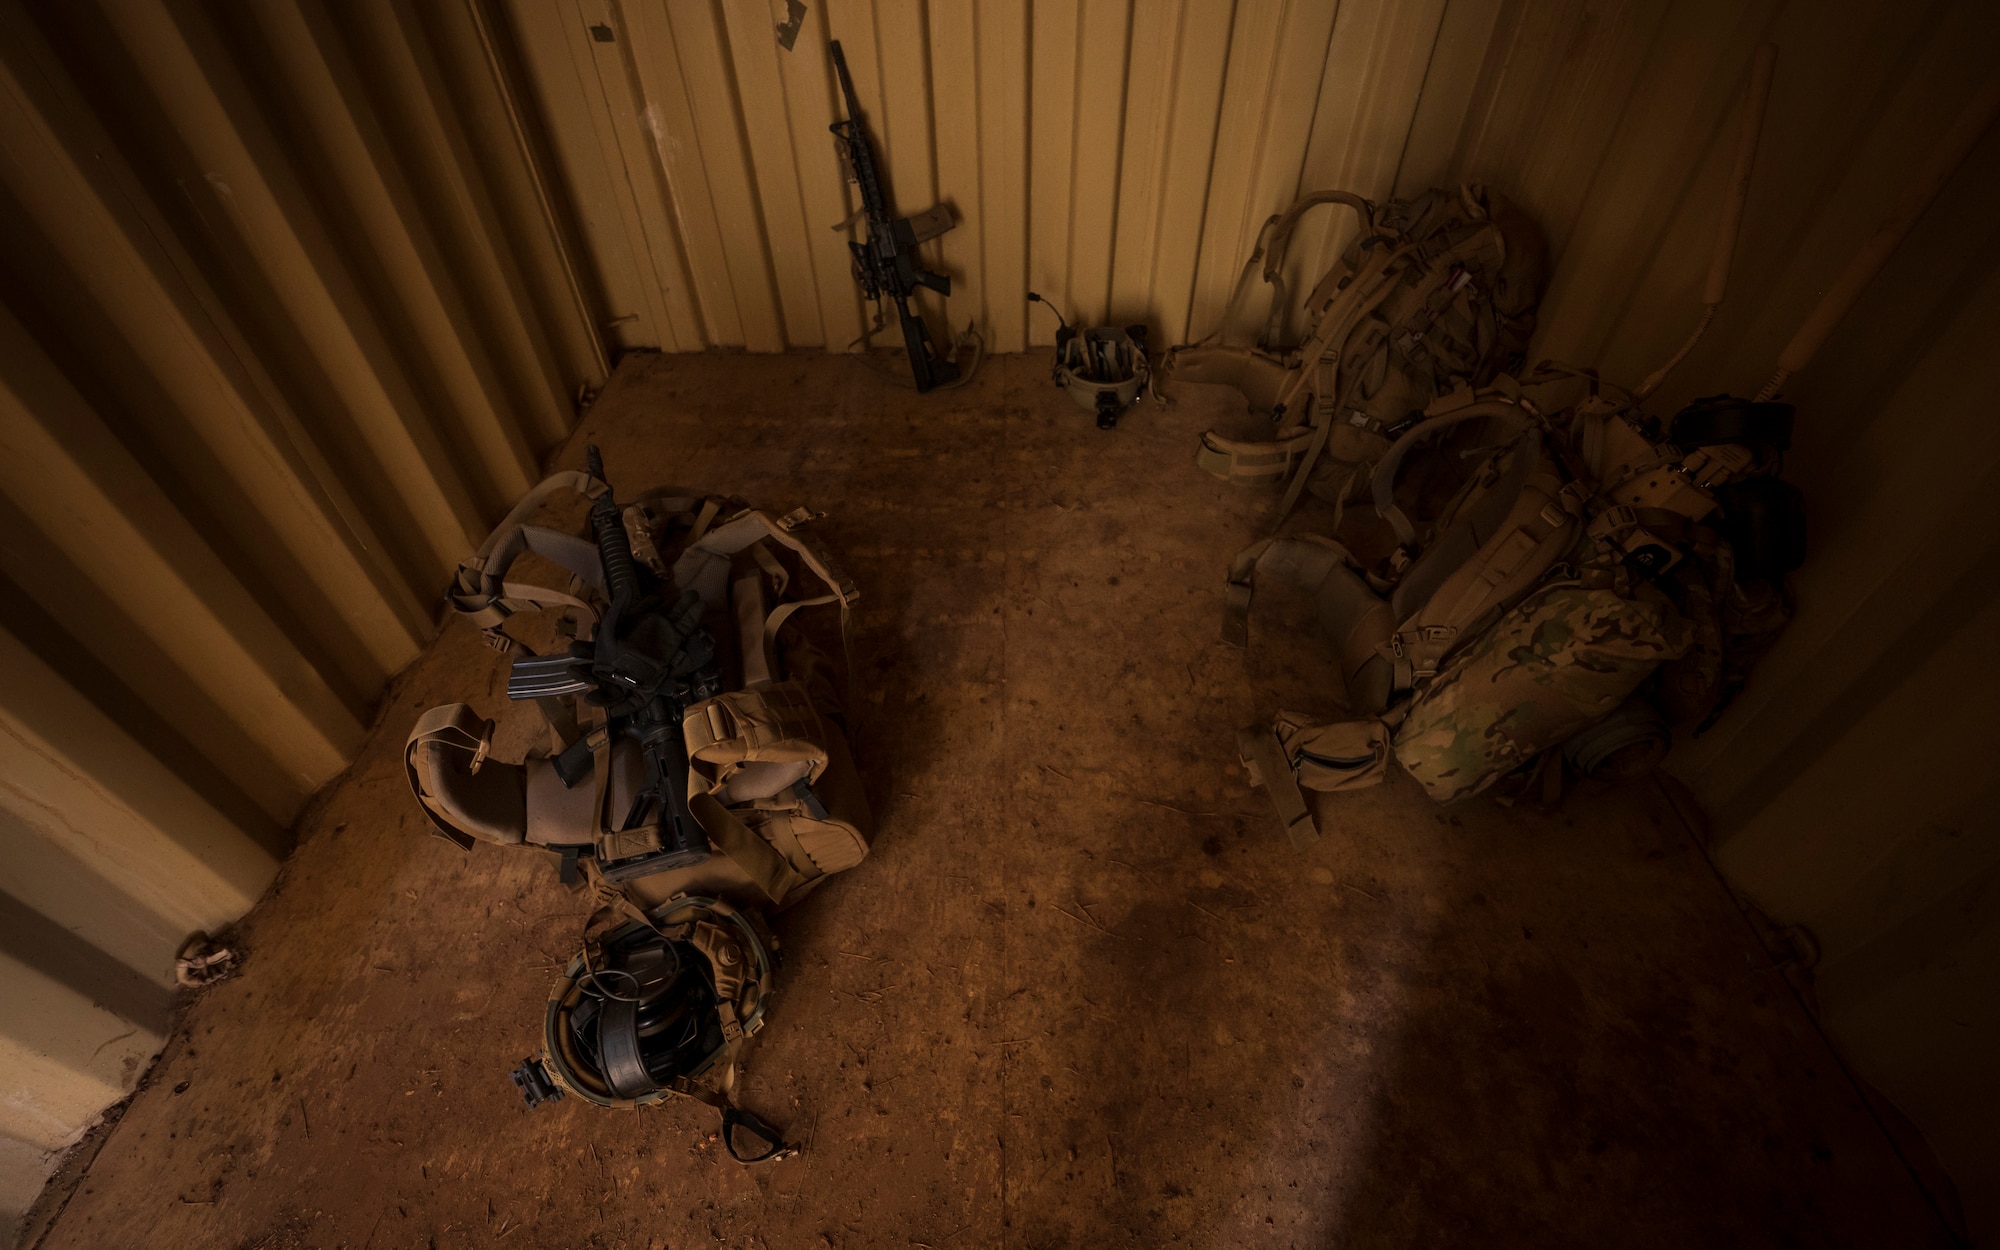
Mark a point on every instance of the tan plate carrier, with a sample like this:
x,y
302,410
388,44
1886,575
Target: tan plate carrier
x,y
771,778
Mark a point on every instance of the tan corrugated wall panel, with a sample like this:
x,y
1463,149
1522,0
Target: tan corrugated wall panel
x,y
298,293
284,325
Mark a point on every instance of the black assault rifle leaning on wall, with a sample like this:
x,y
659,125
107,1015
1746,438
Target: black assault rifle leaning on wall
x,y
887,263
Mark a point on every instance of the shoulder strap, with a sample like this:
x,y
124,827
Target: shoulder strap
x,y
1542,525
703,566
1438,419
480,591
1269,254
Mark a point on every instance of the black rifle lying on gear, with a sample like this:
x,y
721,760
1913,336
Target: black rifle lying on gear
x,y
647,663
887,263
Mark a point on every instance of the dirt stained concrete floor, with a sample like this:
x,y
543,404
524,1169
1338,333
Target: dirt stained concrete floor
x,y
1082,993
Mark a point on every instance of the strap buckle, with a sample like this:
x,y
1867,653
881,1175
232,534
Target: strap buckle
x,y
721,727
1614,520
804,794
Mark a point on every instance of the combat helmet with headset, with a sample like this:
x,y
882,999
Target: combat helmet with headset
x,y
1102,368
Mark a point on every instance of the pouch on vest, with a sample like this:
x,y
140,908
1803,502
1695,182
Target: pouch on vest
x,y
775,789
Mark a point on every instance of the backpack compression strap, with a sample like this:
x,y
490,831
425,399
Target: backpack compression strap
x,y
1269,254
1541,520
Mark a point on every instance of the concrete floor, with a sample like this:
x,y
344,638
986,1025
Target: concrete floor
x,y
1082,993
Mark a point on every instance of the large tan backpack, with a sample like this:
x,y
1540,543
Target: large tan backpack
x,y
1436,291
1588,549
771,780
1516,617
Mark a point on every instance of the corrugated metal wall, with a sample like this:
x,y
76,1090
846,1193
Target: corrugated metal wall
x,y
284,326
1120,157
287,318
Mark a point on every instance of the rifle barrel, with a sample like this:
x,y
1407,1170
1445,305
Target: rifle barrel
x,y
846,88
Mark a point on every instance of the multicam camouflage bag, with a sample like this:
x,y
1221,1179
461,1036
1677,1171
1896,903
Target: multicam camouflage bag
x,y
1565,657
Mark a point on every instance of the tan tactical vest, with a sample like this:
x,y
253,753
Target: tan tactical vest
x,y
772,780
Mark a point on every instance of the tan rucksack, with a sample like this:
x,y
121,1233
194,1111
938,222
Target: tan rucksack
x,y
771,779
1437,291
1517,616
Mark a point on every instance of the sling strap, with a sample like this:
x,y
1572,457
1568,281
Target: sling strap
x,y
1449,412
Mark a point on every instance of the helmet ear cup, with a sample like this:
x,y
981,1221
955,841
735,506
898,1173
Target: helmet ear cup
x,y
639,1014
655,1020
